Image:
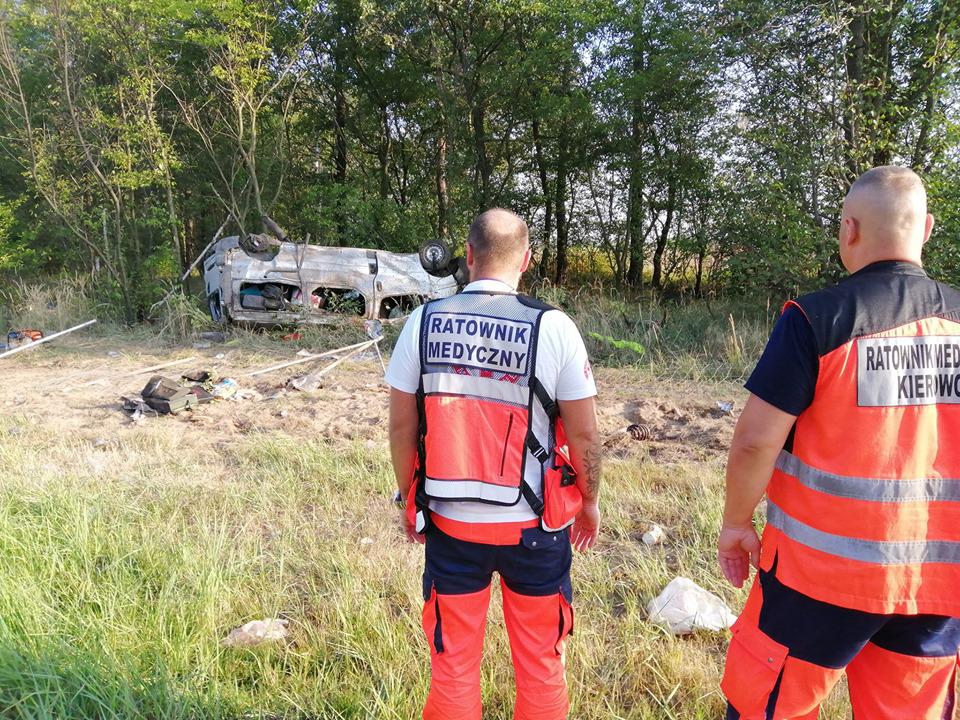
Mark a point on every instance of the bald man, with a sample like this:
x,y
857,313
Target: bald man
x,y
851,430
496,454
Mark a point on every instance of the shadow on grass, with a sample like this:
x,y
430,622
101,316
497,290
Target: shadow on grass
x,y
59,682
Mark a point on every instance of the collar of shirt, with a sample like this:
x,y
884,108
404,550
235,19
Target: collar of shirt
x,y
898,267
489,285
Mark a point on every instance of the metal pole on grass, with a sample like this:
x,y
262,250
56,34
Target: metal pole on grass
x,y
48,338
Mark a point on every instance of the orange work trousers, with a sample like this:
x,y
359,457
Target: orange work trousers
x,y
535,581
789,650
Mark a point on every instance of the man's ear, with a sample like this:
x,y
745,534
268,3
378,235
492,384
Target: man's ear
x,y
849,232
928,228
470,258
526,261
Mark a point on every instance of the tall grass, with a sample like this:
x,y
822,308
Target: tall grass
x,y
55,304
692,339
122,567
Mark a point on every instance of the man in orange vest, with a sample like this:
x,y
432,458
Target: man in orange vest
x,y
495,449
851,429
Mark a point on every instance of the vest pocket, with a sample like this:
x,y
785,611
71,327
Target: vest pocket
x,y
565,623
432,624
754,662
506,441
472,440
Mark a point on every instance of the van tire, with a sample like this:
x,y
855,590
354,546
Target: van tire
x,y
216,309
435,257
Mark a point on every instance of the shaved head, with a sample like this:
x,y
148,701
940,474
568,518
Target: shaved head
x,y
499,240
885,213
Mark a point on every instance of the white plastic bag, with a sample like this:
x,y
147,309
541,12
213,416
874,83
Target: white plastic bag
x,y
256,632
684,606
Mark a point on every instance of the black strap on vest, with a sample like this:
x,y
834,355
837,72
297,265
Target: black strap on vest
x,y
552,410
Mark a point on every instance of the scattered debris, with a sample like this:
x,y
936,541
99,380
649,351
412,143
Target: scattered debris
x,y
257,632
137,408
168,396
100,442
16,338
201,346
725,407
654,536
684,606
311,357
640,432
213,336
113,354
366,541
311,382
141,371
47,338
225,388
289,337
247,394
200,375
306,383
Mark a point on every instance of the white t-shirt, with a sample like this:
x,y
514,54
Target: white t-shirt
x,y
562,367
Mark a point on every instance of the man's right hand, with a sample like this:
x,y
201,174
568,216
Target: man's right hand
x,y
738,547
586,527
409,530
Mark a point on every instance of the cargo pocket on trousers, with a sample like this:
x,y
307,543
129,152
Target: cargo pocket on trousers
x,y
754,662
565,622
432,624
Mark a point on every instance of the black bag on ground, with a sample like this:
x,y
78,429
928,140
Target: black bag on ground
x,y
166,395
163,388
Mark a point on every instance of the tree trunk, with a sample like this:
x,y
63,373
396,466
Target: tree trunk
x,y
478,122
383,153
701,256
656,280
635,189
856,46
443,198
543,268
563,228
340,153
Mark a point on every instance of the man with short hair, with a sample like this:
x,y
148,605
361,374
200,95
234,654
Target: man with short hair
x,y
495,449
851,429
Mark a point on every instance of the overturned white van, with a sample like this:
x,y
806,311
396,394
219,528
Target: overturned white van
x,y
279,282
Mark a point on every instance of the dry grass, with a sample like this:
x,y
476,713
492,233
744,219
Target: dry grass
x,y
127,551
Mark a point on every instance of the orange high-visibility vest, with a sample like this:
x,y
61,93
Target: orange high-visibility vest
x,y
863,509
477,396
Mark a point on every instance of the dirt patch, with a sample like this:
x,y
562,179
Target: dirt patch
x,y
76,390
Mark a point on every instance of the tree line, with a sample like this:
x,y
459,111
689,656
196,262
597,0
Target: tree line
x,y
656,144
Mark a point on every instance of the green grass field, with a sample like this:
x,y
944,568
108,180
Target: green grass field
x,y
128,551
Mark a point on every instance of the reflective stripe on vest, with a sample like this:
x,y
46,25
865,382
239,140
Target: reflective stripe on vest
x,y
869,489
865,508
870,551
478,358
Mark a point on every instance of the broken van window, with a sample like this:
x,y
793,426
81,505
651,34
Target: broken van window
x,y
399,305
266,295
339,301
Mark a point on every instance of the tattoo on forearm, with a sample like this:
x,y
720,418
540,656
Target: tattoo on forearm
x,y
591,462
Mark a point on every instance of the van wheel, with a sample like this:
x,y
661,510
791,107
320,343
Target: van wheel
x,y
458,268
216,309
435,257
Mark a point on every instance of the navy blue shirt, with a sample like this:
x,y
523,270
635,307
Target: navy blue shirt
x,y
787,372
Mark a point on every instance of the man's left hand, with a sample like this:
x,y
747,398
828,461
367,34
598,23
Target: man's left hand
x,y
586,527
737,549
409,530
